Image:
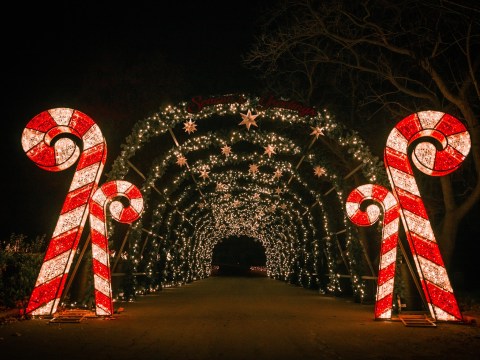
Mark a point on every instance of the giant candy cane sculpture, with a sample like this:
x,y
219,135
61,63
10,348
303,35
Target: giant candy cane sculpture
x,y
98,231
37,140
42,143
454,139
388,249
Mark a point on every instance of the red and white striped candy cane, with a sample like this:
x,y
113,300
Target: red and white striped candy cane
x,y
388,249
42,144
98,232
455,142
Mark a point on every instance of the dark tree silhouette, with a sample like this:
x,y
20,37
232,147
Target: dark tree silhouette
x,y
373,63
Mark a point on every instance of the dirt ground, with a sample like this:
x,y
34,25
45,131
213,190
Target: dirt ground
x,y
238,318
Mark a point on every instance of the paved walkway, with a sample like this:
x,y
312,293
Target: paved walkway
x,y
238,318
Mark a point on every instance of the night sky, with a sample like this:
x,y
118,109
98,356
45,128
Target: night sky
x,y
116,63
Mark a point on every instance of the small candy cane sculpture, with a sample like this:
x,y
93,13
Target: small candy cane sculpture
x,y
98,226
455,142
39,141
388,250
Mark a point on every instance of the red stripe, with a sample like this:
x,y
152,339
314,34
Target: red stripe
x,y
99,239
105,301
383,305
450,125
355,196
386,274
411,202
110,189
427,249
391,214
128,215
133,193
42,122
360,218
448,160
379,193
81,122
43,294
389,243
76,198
101,270
43,155
97,210
93,155
443,299
409,126
397,160
60,244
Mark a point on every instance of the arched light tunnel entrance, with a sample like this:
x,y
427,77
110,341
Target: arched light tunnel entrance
x,y
264,168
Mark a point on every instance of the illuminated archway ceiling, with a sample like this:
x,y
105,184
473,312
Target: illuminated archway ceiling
x,y
236,165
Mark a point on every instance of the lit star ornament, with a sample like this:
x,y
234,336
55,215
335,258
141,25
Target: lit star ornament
x,y
181,160
253,168
278,191
189,126
319,171
269,150
248,120
316,131
277,174
204,174
226,150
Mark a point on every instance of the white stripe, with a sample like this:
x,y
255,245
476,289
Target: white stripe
x,y
437,275
419,225
31,138
390,228
61,116
85,176
387,314
351,208
97,225
99,197
389,201
69,220
373,213
100,310
430,118
404,181
100,255
424,157
442,315
102,285
116,208
397,141
366,190
388,258
460,142
92,137
52,268
137,204
123,186
44,309
385,289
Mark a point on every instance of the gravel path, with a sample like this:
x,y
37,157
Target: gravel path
x,y
238,318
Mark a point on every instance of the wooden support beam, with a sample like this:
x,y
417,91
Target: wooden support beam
x,y
117,258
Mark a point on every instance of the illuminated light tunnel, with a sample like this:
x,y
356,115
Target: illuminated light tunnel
x,y
269,169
